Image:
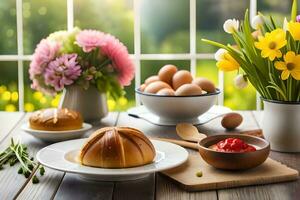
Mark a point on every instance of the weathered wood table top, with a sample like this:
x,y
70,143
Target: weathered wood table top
x,y
59,185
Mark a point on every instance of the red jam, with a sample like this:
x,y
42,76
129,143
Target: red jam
x,y
234,145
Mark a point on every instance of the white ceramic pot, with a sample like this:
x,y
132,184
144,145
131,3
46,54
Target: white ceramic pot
x,y
281,125
90,103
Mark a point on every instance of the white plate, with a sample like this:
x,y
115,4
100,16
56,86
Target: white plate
x,y
56,136
143,113
62,156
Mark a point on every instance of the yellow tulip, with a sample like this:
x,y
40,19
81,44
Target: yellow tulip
x,y
228,63
294,29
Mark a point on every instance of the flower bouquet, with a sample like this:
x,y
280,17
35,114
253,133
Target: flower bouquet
x,y
81,57
84,64
268,55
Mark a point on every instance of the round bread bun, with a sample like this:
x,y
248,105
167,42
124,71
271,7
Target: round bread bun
x,y
117,147
55,119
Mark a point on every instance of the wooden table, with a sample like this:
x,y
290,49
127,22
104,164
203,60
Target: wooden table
x,y
59,185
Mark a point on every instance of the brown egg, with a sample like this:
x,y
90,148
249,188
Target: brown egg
x,y
154,87
231,120
205,84
188,90
181,77
166,73
142,87
151,79
166,92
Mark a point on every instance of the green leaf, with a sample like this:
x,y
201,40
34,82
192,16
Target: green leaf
x,y
273,22
294,10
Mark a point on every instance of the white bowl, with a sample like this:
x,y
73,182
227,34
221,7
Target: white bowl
x,y
178,108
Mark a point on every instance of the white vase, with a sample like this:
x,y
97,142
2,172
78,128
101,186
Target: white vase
x,y
281,125
90,103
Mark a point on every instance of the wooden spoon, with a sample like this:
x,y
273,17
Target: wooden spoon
x,y
189,132
190,145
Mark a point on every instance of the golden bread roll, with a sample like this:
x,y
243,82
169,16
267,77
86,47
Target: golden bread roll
x,y
117,147
55,119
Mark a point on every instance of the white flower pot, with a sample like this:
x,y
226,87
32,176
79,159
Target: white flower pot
x,y
281,125
90,103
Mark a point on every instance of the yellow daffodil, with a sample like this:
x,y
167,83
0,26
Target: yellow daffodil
x,y
271,44
294,29
227,63
290,66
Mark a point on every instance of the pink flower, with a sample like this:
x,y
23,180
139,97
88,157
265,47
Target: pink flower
x,y
121,62
89,39
62,71
44,53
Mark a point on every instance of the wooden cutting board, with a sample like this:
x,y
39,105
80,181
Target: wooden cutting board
x,y
270,171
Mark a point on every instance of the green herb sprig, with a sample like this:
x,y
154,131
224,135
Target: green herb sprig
x,y
17,152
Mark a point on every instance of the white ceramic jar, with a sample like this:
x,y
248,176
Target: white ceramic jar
x,y
281,125
90,103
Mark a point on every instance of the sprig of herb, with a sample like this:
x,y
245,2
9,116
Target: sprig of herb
x,y
17,152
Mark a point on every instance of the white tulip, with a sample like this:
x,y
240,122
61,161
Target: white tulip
x,y
257,22
240,81
220,54
231,25
285,24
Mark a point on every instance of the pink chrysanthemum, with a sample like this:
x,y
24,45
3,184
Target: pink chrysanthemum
x,y
121,62
62,71
44,53
89,39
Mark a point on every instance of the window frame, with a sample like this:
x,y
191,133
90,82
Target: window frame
x,y
137,56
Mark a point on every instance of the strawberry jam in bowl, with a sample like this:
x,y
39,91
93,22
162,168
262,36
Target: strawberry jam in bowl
x,y
234,151
233,145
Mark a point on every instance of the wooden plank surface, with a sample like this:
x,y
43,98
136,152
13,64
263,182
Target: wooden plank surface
x,y
59,185
280,191
8,120
14,185
164,189
72,187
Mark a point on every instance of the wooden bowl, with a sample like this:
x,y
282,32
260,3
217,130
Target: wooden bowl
x,y
234,161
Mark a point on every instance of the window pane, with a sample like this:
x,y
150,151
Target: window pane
x,y
123,103
8,31
9,86
211,15
115,17
41,18
277,8
207,69
151,67
165,26
238,99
